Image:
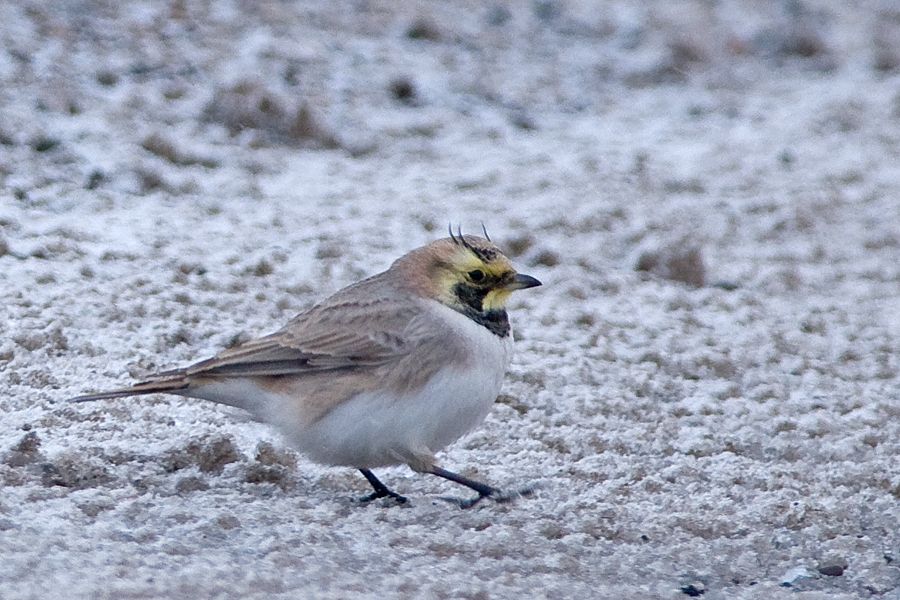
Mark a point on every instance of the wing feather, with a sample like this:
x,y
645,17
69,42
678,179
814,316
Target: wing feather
x,y
331,336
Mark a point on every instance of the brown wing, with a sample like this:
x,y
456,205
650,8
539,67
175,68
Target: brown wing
x,y
334,335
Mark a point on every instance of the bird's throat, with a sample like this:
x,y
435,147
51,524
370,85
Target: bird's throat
x,y
496,321
471,304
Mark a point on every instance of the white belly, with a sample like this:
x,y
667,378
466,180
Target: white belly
x,y
375,429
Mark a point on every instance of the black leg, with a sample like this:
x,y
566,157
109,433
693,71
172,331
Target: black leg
x,y
381,490
484,490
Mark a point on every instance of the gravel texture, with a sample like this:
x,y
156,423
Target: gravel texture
x,y
706,390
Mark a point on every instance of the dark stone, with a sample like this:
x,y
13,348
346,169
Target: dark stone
x,y
693,589
404,90
833,568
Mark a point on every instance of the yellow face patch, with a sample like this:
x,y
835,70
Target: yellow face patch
x,y
496,299
479,284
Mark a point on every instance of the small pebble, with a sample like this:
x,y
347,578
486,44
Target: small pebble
x,y
833,568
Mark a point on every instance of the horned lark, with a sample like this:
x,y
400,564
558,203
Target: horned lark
x,y
386,371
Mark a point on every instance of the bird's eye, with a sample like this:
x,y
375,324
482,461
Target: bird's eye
x,y
476,275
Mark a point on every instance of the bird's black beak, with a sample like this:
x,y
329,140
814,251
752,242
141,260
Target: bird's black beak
x,y
521,282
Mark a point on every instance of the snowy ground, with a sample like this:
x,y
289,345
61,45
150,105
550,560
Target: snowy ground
x,y
705,389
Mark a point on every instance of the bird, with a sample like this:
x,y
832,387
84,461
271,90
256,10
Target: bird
x,y
386,371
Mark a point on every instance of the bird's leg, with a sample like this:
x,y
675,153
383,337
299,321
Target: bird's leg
x,y
381,490
484,490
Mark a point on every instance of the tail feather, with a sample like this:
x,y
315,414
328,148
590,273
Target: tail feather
x,y
170,386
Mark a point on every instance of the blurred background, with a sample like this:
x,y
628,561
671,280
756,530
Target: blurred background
x,y
620,117
705,387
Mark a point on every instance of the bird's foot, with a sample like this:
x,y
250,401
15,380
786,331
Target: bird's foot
x,y
383,494
494,494
381,490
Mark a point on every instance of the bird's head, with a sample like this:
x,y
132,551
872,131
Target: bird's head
x,y
467,273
